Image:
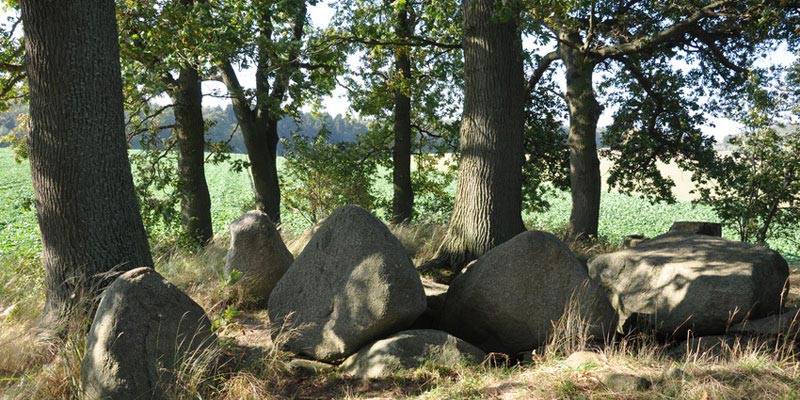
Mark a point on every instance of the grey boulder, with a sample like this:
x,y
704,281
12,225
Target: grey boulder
x,y
409,350
697,227
680,282
259,254
785,324
508,300
352,284
144,330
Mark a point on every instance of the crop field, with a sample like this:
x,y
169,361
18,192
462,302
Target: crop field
x,y
231,195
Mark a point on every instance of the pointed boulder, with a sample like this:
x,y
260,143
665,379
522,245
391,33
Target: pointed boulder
x,y
352,284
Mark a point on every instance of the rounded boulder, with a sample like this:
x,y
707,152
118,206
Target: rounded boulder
x,y
508,300
409,350
259,254
145,330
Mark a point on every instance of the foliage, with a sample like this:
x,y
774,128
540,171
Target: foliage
x,y
13,82
546,164
16,135
156,184
756,188
657,119
662,64
433,181
320,176
428,33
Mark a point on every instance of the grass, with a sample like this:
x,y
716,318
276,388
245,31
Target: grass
x,y
231,196
36,366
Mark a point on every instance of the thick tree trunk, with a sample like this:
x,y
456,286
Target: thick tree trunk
x,y
85,202
488,199
584,111
403,200
190,131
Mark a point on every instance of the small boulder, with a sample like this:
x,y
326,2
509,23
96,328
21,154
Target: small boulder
x,y
697,227
310,367
258,253
621,382
508,300
784,324
299,243
409,350
681,282
144,330
352,284
632,241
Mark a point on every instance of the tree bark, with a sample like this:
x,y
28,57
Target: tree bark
x,y
261,140
487,210
187,97
85,202
584,111
260,133
403,199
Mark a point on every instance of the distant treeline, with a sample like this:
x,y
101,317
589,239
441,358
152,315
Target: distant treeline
x,y
222,123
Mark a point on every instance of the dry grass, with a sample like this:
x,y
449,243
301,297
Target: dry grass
x,y
421,241
45,368
33,366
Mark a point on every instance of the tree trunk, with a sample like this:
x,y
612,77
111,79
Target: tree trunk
x,y
85,202
190,131
403,200
584,111
261,140
488,202
260,133
761,238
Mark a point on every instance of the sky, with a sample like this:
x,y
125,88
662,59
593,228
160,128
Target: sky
x,y
321,14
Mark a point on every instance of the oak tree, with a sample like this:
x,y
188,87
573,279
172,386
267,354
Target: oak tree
x,y
85,203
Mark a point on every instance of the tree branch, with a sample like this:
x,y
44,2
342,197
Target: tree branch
x,y
544,64
664,36
9,86
12,68
285,72
706,39
241,105
415,41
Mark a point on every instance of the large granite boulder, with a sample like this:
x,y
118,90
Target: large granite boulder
x,y
409,350
145,329
680,281
352,284
258,253
508,300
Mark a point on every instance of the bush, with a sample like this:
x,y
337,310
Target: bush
x,y
320,176
756,188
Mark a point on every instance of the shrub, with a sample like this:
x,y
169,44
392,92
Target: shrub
x,y
320,176
756,188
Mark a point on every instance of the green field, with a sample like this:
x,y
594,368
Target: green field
x,y
621,215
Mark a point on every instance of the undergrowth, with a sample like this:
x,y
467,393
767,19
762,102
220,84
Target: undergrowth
x,y
251,365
